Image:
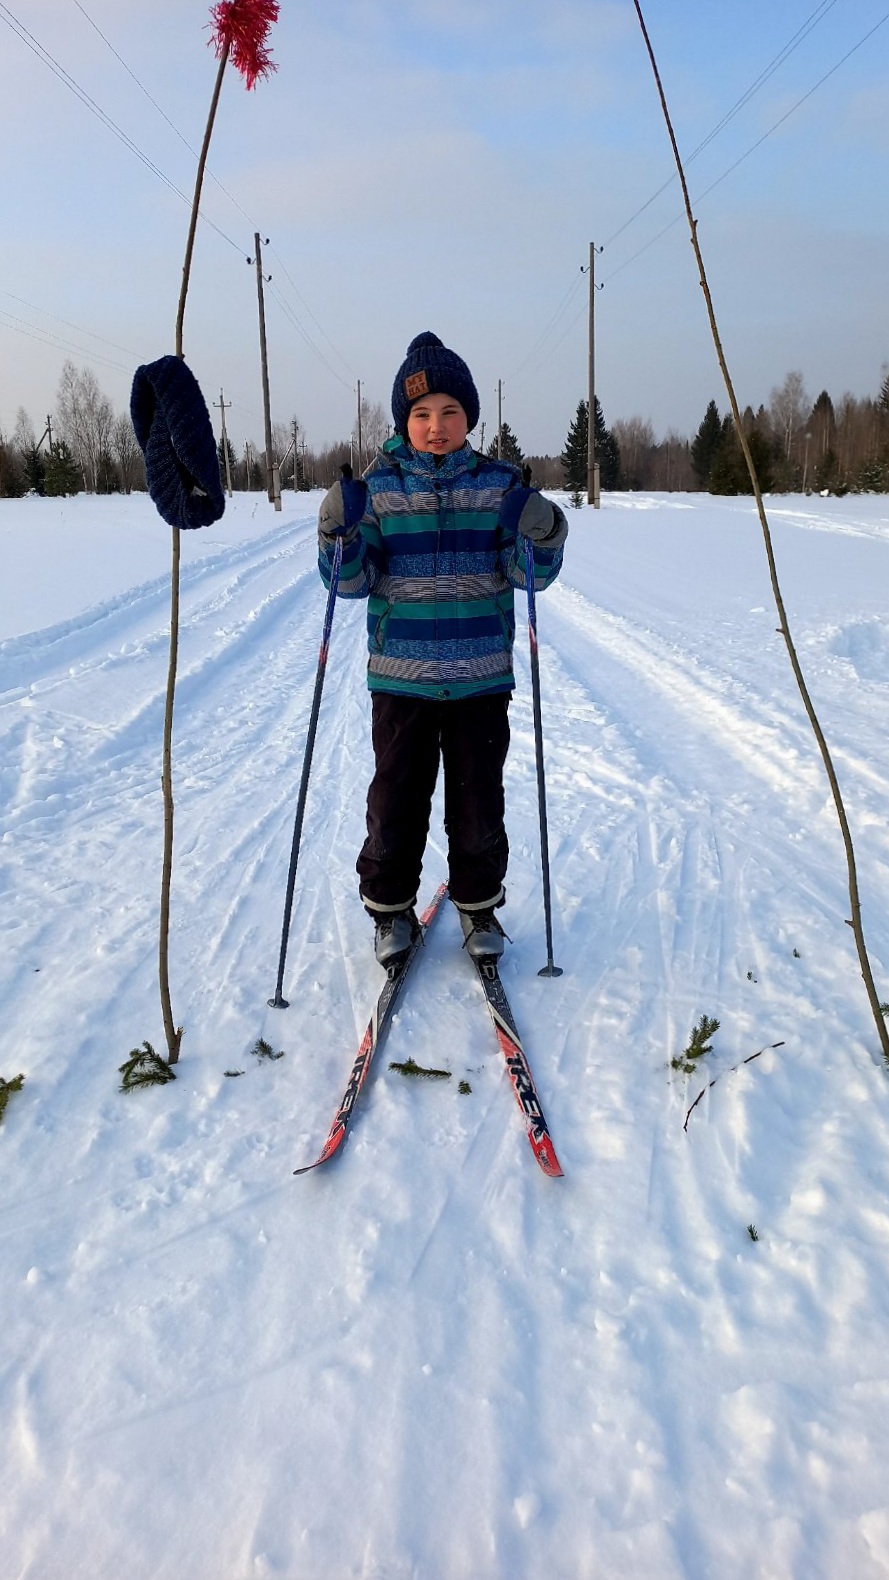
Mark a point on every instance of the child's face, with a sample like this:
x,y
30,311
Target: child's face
x,y
437,424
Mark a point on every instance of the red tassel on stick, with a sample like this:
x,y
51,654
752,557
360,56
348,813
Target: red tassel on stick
x,y
242,28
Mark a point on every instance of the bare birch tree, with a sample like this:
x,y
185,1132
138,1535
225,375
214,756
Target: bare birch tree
x,y
86,420
374,428
789,406
126,452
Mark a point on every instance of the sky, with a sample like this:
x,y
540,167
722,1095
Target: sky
x,y
448,168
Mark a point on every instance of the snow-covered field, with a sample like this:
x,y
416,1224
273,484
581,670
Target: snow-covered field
x,y
430,1362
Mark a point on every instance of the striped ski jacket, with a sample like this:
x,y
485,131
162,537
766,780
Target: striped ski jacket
x,y
438,571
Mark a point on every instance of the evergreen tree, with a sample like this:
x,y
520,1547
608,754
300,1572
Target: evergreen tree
x,y
826,472
575,458
706,444
63,475
574,455
729,474
607,451
509,446
872,478
12,476
34,469
232,460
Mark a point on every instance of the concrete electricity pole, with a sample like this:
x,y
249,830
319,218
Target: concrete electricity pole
x,y
228,469
359,426
500,419
272,482
592,465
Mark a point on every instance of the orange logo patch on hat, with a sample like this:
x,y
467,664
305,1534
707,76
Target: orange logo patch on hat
x,y
416,385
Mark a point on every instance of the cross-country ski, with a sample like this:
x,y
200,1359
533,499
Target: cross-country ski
x,y
374,1034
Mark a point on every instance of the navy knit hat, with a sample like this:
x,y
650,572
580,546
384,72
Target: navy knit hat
x,y
431,369
175,434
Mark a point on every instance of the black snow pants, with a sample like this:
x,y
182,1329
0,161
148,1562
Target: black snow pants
x,y
470,737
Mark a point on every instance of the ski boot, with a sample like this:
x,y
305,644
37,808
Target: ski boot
x,y
483,937
395,932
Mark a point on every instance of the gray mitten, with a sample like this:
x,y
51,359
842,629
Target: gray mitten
x,y
342,507
526,511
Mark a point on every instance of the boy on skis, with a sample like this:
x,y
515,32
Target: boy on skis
x,y
433,538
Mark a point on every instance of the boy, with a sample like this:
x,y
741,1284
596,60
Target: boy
x,y
433,538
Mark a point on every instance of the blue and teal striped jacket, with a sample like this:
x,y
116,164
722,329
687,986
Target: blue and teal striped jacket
x,y
438,571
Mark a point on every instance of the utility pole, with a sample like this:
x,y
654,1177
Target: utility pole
x,y
47,433
592,465
247,460
295,457
228,469
272,483
500,419
359,425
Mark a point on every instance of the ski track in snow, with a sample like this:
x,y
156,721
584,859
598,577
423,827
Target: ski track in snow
x,y
427,1360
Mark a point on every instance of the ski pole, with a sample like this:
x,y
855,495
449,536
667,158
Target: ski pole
x,y
279,1002
549,970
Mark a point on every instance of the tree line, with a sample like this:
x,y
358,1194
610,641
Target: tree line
x,y
797,444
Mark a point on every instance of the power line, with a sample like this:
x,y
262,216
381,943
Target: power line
x,y
758,144
20,326
160,110
815,17
90,103
793,43
292,319
68,324
234,201
547,351
308,309
550,324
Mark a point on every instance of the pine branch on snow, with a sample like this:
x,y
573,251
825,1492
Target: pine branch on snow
x,y
699,1044
144,1067
6,1090
264,1050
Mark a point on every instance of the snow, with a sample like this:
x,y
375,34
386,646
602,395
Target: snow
x,y
429,1361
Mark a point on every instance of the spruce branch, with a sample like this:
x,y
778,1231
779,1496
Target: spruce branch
x,y
420,1071
699,1045
264,1050
784,625
6,1090
143,1068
